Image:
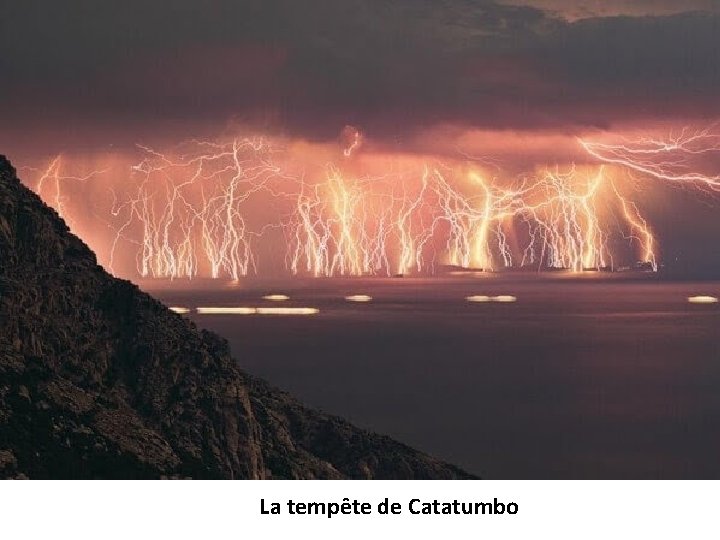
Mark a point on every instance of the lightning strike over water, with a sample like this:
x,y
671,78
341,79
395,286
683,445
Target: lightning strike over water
x,y
216,208
51,186
190,209
676,158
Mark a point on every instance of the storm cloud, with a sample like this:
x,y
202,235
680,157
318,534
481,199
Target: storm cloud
x,y
311,67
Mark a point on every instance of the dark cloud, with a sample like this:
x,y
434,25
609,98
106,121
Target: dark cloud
x,y
314,66
579,9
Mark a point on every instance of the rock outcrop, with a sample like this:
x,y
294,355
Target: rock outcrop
x,y
99,380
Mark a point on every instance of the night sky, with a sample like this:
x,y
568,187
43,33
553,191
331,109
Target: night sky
x,y
515,78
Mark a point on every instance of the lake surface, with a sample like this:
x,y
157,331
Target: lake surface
x,y
577,378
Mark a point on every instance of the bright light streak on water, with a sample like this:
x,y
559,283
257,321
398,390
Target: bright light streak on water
x,y
478,299
287,311
358,298
276,297
257,311
703,300
226,310
505,299
180,310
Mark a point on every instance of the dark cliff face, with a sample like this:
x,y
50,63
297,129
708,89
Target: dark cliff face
x,y
99,380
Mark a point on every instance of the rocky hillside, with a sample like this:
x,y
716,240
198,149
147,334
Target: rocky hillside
x,y
99,380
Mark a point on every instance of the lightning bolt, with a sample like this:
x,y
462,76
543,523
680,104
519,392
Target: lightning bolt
x,y
201,209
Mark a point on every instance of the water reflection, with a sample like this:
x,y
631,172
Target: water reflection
x,y
478,299
703,300
358,298
226,310
287,311
505,299
276,297
257,311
